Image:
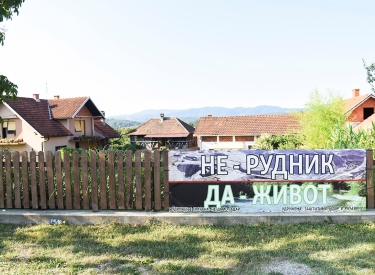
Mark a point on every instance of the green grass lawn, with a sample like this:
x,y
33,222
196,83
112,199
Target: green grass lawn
x,y
168,249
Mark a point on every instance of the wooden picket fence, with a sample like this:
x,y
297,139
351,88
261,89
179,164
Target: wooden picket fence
x,y
107,180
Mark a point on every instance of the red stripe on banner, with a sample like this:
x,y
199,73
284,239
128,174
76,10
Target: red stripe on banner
x,y
250,181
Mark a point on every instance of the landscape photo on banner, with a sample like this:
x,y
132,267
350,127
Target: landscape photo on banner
x,y
267,181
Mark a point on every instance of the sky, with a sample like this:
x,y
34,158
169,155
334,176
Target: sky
x,y
129,56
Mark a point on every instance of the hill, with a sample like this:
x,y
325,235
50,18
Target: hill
x,y
121,123
193,114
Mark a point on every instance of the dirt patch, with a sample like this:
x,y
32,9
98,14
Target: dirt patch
x,y
287,268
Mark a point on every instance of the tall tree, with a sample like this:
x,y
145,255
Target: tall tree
x,y
370,74
7,9
323,114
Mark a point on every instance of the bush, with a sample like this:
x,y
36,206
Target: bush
x,y
272,142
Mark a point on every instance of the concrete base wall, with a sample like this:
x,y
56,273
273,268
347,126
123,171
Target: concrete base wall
x,y
82,217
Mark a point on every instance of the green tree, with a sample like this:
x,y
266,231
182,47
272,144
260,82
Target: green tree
x,y
273,142
121,123
323,114
8,89
193,123
123,143
7,9
349,138
370,74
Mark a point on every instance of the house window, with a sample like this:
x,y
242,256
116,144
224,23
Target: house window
x,y
367,112
9,127
79,126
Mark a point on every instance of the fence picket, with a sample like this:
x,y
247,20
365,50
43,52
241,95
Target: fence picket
x,y
129,180
103,183
34,186
157,190
85,181
147,172
138,181
120,180
25,181
42,181
68,181
59,183
77,192
8,178
94,183
51,185
16,178
111,176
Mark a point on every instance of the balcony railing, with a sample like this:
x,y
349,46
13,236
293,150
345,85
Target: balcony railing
x,y
84,138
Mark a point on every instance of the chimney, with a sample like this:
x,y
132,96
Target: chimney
x,y
355,92
56,97
103,118
36,96
161,117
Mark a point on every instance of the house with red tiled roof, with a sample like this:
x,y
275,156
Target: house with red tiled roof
x,y
360,109
104,132
240,132
170,132
48,125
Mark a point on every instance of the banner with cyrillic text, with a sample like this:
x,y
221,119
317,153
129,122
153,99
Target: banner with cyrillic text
x,y
269,181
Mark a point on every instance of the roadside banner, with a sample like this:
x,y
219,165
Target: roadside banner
x,y
267,181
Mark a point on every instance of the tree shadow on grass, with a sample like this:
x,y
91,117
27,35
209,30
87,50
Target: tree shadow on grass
x,y
113,267
91,242
7,232
54,263
315,245
42,261
152,247
191,269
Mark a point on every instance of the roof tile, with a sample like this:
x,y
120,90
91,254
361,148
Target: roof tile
x,y
352,102
170,125
246,125
65,107
37,115
106,130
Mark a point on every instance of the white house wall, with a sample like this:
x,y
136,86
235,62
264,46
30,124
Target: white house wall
x,y
5,112
18,134
53,142
23,130
64,122
33,140
248,144
226,145
7,115
37,143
